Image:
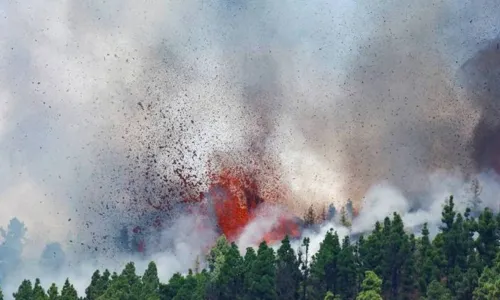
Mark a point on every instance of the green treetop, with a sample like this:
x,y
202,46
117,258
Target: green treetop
x,y
371,287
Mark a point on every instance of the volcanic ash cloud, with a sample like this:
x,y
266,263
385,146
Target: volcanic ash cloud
x,y
104,104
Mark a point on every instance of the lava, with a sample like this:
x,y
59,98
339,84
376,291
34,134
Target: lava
x,y
235,196
287,225
233,200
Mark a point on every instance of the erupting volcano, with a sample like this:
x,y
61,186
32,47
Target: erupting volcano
x,y
236,197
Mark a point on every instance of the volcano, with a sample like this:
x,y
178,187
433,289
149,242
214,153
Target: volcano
x,y
234,199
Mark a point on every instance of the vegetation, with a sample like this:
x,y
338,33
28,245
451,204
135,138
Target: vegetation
x,y
461,262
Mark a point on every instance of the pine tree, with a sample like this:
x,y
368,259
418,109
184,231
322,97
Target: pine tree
x,y
371,287
370,250
323,215
344,218
439,257
476,191
331,212
427,269
309,217
197,265
90,291
25,291
489,283
99,287
324,266
230,282
497,219
170,290
150,283
488,237
349,208
409,275
304,266
202,280
216,257
68,292
53,293
448,215
188,288
465,275
466,284
453,243
462,243
437,291
331,296
287,272
347,270
397,267
38,291
248,262
359,263
458,250
1,294
462,262
489,286
263,275
126,285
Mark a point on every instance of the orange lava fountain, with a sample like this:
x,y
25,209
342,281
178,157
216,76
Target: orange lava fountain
x,y
236,197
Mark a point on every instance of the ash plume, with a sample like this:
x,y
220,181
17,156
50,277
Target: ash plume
x,y
481,78
401,112
111,112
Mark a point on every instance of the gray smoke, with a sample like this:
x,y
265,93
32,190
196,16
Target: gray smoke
x,y
402,112
111,111
481,77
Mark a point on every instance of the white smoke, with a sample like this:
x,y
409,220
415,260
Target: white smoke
x,y
191,237
72,73
383,199
267,218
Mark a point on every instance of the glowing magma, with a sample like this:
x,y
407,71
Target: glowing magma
x,y
235,198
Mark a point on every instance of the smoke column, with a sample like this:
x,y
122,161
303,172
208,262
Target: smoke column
x,y
110,108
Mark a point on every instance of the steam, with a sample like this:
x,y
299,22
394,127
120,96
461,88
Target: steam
x,y
109,109
383,199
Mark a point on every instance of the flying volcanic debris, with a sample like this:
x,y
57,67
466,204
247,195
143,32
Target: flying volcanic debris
x,y
481,76
157,126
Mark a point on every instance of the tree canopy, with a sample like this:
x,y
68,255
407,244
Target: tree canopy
x,y
461,262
